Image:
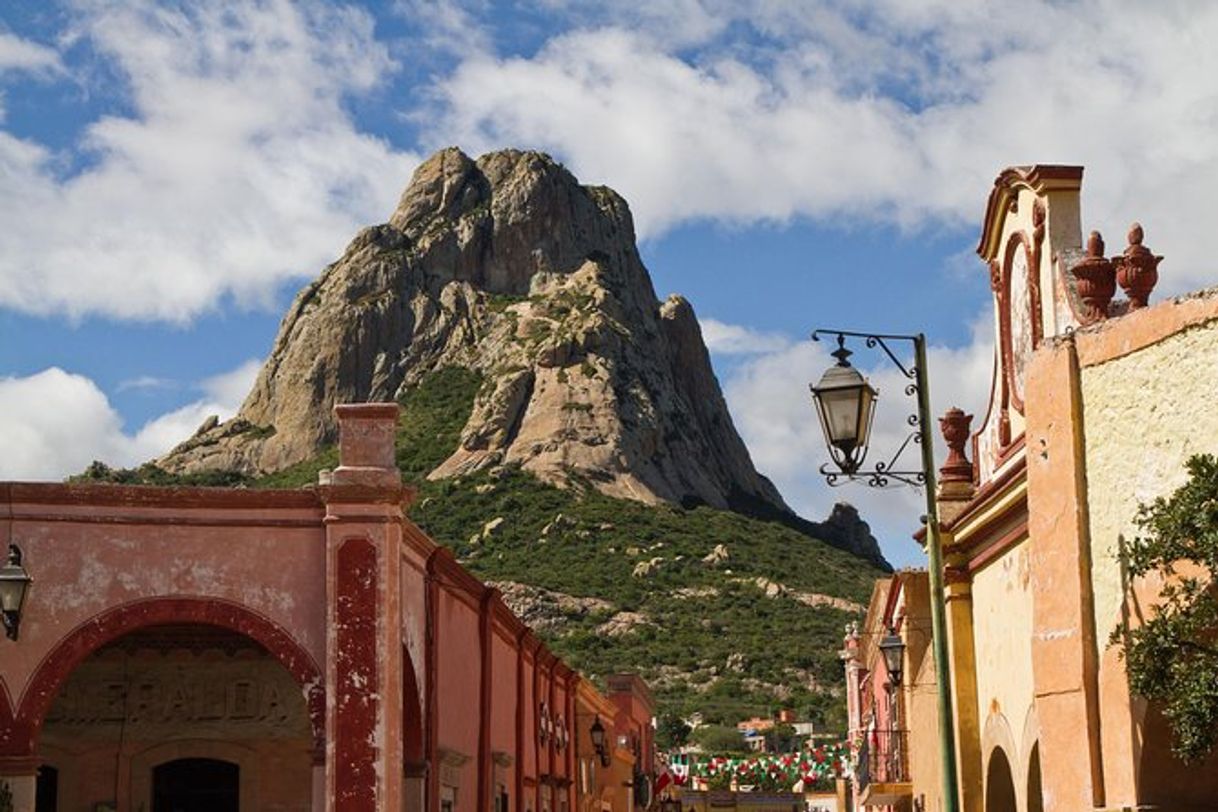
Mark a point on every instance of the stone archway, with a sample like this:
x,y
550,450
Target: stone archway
x,y
148,693
112,624
999,783
1000,776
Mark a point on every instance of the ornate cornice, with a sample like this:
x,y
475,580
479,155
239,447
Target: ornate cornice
x,y
1004,197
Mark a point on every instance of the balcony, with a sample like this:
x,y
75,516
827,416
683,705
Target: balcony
x,y
882,772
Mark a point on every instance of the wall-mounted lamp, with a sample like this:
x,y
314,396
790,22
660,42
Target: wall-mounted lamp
x,y
597,732
14,584
893,649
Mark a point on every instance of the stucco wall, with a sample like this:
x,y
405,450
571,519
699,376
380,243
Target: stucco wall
x,y
1144,414
459,700
1002,618
87,559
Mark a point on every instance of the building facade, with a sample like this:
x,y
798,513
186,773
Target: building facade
x,y
198,648
1096,404
886,712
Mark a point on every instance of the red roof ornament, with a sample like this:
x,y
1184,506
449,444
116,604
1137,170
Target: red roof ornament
x,y
1096,280
1137,269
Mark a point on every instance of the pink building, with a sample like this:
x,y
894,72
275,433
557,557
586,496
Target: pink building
x,y
222,649
883,707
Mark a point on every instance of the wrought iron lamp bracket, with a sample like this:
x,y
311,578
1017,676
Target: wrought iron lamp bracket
x,y
882,474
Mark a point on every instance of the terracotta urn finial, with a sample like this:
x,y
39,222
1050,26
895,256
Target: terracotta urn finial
x,y
1137,269
955,425
1095,244
1096,280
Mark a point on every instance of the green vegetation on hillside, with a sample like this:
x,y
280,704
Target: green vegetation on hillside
x,y
705,635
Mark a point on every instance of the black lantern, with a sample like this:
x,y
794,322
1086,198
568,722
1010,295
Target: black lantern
x,y
597,731
893,649
14,583
845,402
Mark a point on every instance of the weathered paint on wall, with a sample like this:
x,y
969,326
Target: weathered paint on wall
x,y
1002,622
1144,413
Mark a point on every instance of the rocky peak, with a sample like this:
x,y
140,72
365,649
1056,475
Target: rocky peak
x,y
508,266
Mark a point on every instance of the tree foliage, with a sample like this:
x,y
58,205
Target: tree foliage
x,y
672,731
719,739
1172,658
781,739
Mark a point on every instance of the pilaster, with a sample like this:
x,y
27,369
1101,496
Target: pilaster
x,y
1064,649
364,498
958,595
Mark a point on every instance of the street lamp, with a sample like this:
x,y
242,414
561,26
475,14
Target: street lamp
x,y
597,732
14,584
848,460
845,402
893,649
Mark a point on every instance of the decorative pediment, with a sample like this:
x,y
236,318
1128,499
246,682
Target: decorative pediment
x,y
1031,222
1045,283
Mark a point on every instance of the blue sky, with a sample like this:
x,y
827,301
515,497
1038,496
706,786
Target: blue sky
x,y
171,173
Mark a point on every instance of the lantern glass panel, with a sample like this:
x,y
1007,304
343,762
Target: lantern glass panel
x,y
598,734
893,649
840,415
13,583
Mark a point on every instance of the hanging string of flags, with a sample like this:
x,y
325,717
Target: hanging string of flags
x,y
780,772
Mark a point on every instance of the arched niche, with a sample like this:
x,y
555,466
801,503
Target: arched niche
x,y
116,622
999,783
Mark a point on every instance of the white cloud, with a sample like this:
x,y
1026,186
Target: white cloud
x,y
146,383
24,56
21,54
852,112
773,411
57,422
734,339
230,388
237,168
447,26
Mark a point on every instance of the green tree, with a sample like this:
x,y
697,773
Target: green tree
x,y
1172,657
672,732
781,739
719,739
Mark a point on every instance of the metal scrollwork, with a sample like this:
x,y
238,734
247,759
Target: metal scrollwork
x,y
882,474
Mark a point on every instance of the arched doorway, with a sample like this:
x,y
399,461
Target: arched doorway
x,y
196,785
46,789
999,784
1036,801
196,695
413,756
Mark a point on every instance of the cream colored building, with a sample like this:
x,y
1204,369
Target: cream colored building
x,y
1096,403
